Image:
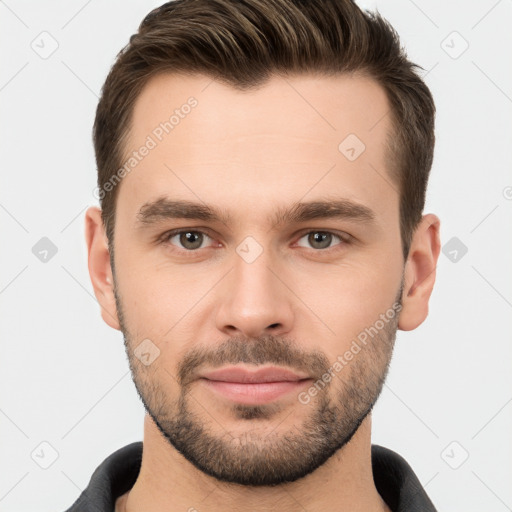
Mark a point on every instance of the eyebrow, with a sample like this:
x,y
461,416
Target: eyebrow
x,y
163,209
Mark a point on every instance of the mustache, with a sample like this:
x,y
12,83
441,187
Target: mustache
x,y
257,351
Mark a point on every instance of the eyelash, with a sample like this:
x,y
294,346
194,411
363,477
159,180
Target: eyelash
x,y
345,239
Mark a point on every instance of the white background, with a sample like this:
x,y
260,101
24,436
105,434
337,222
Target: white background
x,y
64,377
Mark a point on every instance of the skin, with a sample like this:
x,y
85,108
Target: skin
x,y
250,153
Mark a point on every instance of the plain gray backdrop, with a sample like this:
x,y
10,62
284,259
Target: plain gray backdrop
x,y
67,398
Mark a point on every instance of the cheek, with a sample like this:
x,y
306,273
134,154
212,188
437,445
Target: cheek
x,y
155,301
162,299
345,300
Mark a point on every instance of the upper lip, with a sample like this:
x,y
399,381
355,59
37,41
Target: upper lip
x,y
268,374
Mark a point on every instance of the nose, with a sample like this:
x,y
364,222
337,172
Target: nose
x,y
255,299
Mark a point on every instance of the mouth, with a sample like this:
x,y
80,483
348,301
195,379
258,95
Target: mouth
x,y
253,387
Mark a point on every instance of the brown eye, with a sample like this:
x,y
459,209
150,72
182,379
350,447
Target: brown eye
x,y
320,239
189,240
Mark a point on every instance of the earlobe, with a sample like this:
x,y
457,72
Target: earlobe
x,y
420,273
100,270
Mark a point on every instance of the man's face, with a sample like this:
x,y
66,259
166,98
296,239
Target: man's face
x,y
269,283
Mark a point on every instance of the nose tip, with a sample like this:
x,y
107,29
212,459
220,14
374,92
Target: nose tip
x,y
254,302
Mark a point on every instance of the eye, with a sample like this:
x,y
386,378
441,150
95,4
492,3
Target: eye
x,y
189,239
322,239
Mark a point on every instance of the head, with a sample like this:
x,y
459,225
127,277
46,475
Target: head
x,y
262,170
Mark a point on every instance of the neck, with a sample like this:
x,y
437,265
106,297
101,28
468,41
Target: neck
x,y
167,481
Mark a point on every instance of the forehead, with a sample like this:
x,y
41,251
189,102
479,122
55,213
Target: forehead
x,y
327,106
289,137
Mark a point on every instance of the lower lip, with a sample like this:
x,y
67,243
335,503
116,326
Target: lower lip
x,y
255,393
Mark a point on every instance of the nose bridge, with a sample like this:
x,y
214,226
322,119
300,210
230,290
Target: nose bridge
x,y
254,300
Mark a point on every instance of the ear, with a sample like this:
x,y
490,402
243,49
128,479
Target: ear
x,y
420,273
100,270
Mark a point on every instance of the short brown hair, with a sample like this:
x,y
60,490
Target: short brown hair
x,y
241,43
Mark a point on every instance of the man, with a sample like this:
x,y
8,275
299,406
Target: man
x,y
262,168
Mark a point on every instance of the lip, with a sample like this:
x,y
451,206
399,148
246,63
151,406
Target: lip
x,y
253,387
244,376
